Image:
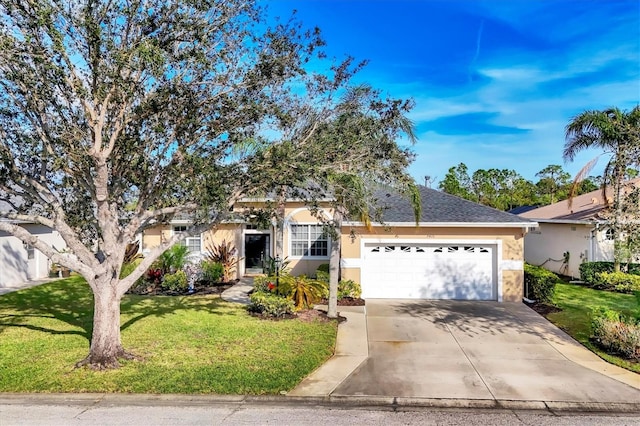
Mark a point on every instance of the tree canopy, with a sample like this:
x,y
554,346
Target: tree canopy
x,y
118,116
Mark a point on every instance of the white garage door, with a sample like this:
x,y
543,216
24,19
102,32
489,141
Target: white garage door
x,y
429,271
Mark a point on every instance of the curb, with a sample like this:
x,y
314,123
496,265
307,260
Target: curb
x,y
345,402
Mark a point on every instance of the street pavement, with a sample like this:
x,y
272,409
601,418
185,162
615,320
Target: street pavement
x,y
139,410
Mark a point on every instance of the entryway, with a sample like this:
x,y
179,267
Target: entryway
x,y
257,250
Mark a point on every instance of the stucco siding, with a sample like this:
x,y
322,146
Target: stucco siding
x,y
512,286
152,237
546,247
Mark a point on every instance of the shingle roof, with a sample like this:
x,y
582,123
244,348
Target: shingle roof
x,y
522,209
440,207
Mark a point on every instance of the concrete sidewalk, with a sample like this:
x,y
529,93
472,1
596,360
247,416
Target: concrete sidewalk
x,y
26,284
352,349
239,293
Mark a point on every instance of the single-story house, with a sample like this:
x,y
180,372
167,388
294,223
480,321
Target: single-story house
x,y
458,249
21,262
570,233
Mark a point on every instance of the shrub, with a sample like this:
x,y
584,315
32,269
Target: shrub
x,y
270,304
346,288
302,290
271,266
349,288
616,334
175,282
212,272
588,270
154,275
224,254
323,268
322,276
539,283
261,283
173,259
617,281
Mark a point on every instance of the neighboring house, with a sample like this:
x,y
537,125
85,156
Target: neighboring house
x,y
20,262
457,250
569,235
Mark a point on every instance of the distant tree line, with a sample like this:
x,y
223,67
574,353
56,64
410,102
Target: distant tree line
x,y
507,189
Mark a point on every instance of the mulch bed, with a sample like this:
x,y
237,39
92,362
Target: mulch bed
x,y
307,315
543,309
199,289
346,301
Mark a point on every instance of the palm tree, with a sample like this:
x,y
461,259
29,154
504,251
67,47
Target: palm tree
x,y
617,133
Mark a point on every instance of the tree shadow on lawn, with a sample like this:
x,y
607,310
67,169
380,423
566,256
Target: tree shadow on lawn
x,y
71,301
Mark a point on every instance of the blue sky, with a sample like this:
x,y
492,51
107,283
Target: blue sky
x,y
494,81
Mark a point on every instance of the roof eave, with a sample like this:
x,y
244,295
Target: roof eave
x,y
449,224
570,221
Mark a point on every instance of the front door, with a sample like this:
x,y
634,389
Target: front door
x,y
256,253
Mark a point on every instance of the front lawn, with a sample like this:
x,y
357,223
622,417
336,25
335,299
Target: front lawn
x,y
577,302
189,344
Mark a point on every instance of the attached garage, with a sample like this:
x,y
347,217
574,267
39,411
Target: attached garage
x,y
429,270
455,249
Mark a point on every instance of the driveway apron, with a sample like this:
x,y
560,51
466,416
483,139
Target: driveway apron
x,y
471,350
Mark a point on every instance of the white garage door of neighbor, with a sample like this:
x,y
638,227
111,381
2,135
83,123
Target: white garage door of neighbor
x,y
407,270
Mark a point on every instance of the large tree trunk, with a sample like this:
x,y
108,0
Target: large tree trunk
x,y
106,346
334,266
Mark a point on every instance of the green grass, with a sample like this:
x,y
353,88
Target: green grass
x,y
577,303
190,344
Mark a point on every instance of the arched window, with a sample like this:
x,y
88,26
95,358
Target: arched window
x,y
609,235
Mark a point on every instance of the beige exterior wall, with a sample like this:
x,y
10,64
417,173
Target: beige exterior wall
x,y
295,213
152,237
510,264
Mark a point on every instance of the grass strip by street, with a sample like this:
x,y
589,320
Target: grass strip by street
x,y
189,344
577,302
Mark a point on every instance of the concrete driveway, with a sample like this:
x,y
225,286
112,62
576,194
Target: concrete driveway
x,y
478,350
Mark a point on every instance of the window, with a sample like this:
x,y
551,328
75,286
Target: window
x,y
31,254
194,244
309,240
609,234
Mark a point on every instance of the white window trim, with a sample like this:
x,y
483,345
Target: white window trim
x,y
185,241
290,242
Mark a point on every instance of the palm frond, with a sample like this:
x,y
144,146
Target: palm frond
x,y
580,176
